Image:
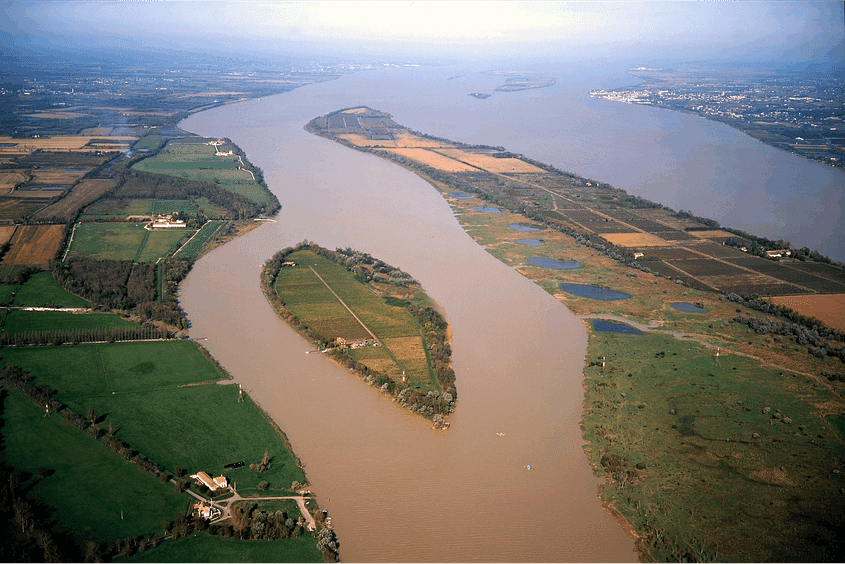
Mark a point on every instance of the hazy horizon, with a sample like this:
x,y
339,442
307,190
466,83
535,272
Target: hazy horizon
x,y
772,33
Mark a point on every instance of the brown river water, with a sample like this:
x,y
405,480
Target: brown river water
x,y
396,489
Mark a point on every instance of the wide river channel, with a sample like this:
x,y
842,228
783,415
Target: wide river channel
x,y
396,489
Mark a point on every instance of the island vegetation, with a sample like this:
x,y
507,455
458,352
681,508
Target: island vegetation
x,y
713,414
370,317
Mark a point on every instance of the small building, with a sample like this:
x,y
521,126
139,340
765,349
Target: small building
x,y
206,510
638,255
209,482
778,253
165,222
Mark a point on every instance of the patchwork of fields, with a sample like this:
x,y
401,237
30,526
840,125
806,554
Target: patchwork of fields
x,y
318,305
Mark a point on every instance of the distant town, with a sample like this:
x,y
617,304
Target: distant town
x,y
801,112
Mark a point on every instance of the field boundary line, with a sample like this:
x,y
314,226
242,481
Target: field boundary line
x,y
367,329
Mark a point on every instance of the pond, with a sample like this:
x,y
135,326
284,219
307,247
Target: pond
x,y
52,188
553,263
530,242
593,292
76,170
487,209
688,307
461,195
604,326
523,227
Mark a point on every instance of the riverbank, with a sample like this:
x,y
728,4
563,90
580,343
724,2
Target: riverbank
x,y
726,371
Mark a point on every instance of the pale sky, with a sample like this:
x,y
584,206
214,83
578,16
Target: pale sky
x,y
793,30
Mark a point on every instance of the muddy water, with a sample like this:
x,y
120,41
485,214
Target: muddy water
x,y
397,490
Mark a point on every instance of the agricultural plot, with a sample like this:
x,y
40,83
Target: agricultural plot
x,y
432,159
314,304
829,309
16,321
149,393
491,163
42,290
124,241
34,245
92,493
194,247
82,194
14,208
195,159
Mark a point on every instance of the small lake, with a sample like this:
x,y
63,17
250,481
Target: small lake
x,y
523,227
76,170
530,242
593,292
553,263
604,326
688,307
461,195
487,209
52,188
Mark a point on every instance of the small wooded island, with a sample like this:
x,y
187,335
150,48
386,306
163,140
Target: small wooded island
x,y
370,317
714,401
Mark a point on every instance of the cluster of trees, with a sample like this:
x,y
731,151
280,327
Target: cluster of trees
x,y
26,537
115,284
440,352
813,325
803,336
125,285
250,523
759,245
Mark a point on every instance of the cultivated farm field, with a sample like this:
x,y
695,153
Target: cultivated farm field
x,y
124,241
34,245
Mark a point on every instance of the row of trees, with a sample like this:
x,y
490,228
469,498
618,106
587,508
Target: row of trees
x,y
802,335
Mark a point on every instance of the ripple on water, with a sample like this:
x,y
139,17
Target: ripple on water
x,y
593,292
553,263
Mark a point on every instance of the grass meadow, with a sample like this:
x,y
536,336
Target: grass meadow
x,y
204,547
17,321
92,493
124,241
41,289
152,395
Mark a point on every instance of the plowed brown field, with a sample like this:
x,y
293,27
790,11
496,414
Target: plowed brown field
x,y
34,245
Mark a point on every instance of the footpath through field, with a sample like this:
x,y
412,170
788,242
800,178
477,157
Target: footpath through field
x,y
367,329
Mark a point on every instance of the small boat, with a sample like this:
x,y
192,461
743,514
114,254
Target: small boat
x,y
500,434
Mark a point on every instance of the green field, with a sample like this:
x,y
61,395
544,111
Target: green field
x,y
311,301
124,241
93,494
17,321
194,247
145,391
204,547
114,208
193,159
667,419
42,290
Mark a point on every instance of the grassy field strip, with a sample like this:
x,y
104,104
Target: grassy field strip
x,y
346,306
141,245
200,237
